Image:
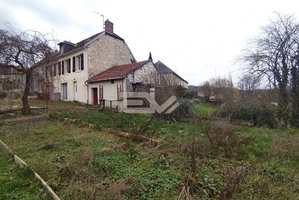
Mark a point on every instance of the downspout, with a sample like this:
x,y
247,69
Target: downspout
x,y
86,82
87,89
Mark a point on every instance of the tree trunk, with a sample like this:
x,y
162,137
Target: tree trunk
x,y
26,108
283,104
283,111
295,96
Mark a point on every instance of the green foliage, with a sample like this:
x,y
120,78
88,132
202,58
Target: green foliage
x,y
150,182
259,116
17,95
18,183
184,111
3,95
184,93
71,115
204,109
85,163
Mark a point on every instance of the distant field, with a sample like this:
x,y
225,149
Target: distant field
x,y
82,160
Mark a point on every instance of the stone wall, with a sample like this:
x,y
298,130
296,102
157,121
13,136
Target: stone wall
x,y
146,74
14,83
107,52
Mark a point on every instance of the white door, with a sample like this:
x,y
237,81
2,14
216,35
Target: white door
x,y
75,91
64,91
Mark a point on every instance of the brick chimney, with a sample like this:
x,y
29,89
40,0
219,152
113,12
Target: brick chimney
x,y
108,26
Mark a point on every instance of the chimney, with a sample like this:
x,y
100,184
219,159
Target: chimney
x,y
150,57
108,26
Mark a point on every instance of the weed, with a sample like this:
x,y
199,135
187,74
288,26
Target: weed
x,y
285,147
233,179
221,135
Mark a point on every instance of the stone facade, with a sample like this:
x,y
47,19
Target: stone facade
x,y
107,52
145,75
99,53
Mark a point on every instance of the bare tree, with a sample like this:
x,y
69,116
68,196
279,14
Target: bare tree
x,y
206,89
249,83
270,58
24,51
225,94
295,90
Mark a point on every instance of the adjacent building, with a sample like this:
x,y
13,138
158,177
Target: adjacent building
x,y
76,63
100,69
169,77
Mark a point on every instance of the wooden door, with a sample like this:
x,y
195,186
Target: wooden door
x,y
95,96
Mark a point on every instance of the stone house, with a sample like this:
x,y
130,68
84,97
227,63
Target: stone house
x,y
168,77
76,63
100,69
109,86
12,81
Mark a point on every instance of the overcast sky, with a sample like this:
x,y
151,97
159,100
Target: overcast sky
x,y
197,39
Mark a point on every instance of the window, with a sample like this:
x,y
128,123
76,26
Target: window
x,y
68,65
101,89
54,70
59,68
80,62
74,64
62,67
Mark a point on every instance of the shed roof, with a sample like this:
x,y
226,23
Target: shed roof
x,y
163,69
117,72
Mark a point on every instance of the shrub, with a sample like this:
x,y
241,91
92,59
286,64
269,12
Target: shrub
x,y
17,96
183,93
260,116
221,135
3,95
233,179
185,110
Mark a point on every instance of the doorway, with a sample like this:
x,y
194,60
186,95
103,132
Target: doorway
x,y
95,96
64,91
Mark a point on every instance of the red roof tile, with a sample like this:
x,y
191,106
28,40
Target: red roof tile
x,y
117,72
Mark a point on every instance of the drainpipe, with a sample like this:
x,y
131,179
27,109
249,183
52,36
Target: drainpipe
x,y
87,89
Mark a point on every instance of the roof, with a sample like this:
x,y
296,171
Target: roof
x,y
78,46
163,69
117,72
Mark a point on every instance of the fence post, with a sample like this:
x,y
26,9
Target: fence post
x,y
153,93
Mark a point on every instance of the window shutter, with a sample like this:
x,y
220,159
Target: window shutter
x,y
54,69
74,64
59,68
82,62
62,67
69,65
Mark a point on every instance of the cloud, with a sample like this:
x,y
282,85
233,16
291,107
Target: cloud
x,y
56,14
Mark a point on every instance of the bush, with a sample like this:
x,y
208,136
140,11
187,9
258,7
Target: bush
x,y
17,96
185,110
260,116
184,93
222,136
3,95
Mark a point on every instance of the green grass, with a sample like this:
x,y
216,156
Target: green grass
x,y
204,109
69,156
17,183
